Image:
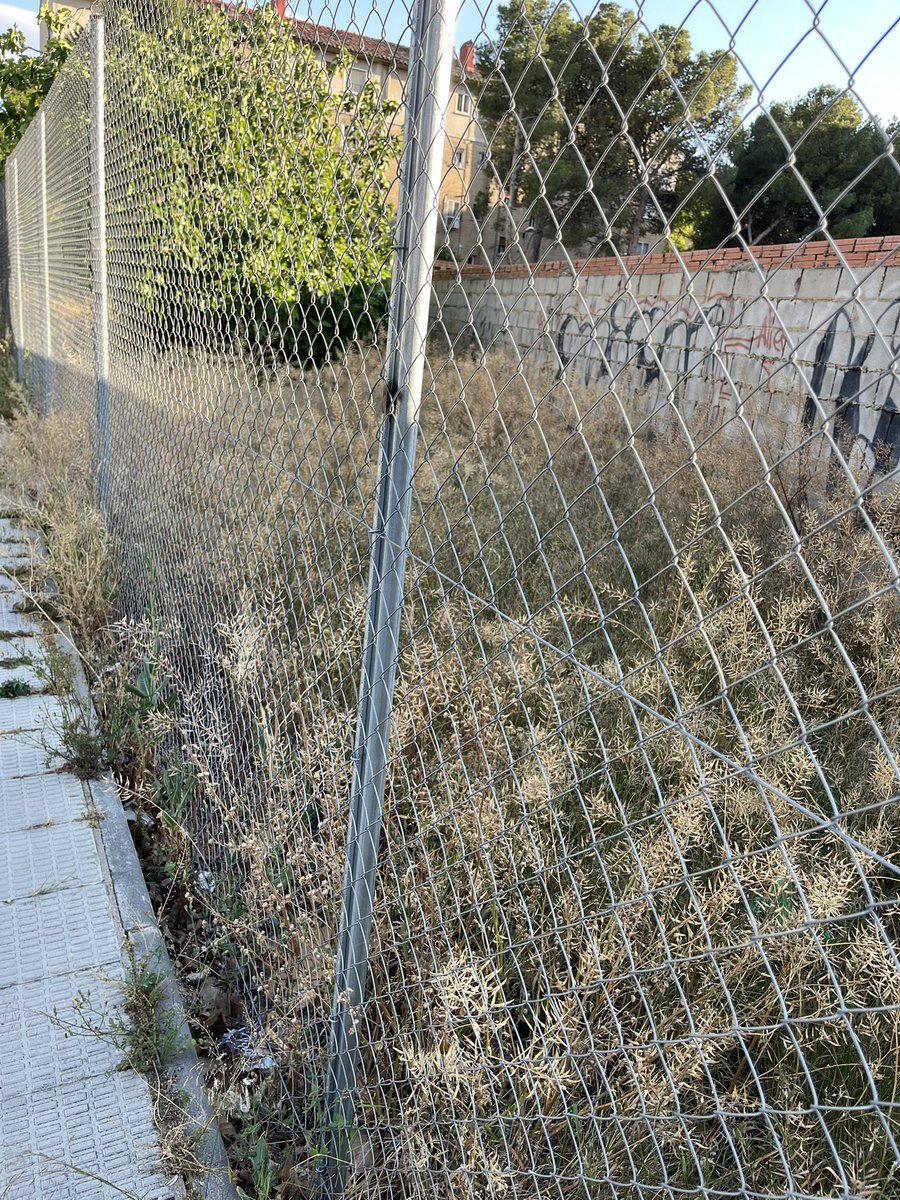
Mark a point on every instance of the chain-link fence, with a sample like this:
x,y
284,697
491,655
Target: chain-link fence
x,y
529,619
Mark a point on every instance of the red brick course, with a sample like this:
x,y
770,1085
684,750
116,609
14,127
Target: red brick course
x,y
854,252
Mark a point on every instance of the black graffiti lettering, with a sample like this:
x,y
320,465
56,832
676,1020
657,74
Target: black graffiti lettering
x,y
616,339
667,351
887,437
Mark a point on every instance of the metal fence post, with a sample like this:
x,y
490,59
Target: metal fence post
x,y
98,240
431,58
47,372
19,333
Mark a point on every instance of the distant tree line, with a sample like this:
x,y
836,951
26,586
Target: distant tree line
x,y
603,131
817,153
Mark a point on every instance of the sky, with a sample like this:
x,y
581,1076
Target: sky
x,y
25,18
781,51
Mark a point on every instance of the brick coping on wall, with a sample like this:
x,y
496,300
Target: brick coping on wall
x,y
851,252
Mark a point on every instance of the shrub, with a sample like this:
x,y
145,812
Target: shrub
x,y
279,233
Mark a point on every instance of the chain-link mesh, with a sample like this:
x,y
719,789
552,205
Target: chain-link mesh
x,y
633,907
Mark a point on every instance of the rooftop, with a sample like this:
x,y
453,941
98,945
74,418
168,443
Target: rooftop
x,y
333,40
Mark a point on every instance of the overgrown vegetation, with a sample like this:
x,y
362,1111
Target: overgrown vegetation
x,y
144,1033
10,391
51,461
636,917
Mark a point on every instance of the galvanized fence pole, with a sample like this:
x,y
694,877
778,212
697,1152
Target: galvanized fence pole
x,y
47,371
431,59
19,331
98,244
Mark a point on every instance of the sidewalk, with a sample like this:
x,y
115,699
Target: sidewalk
x,y
71,1124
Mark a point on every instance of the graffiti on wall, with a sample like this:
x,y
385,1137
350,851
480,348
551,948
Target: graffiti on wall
x,y
846,371
712,352
669,344
848,389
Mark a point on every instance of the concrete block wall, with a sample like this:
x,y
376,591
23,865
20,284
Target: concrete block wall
x,y
784,341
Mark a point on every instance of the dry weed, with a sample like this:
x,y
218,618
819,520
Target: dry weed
x,y
635,923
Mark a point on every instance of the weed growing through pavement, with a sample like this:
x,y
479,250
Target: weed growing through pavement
x,y
149,1039
74,738
149,1035
16,660
145,1033
12,689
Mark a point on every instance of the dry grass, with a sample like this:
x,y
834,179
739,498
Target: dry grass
x,y
49,470
636,918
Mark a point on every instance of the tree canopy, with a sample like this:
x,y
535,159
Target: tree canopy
x,y
26,76
261,200
601,126
818,152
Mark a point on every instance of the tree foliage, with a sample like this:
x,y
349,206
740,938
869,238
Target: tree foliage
x,y
26,76
818,151
601,126
263,187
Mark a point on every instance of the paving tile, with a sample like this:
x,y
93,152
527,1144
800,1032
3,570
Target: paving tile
x,y
10,596
29,712
101,1127
40,800
21,755
24,647
45,856
47,1040
26,672
16,546
18,623
13,554
72,1126
56,933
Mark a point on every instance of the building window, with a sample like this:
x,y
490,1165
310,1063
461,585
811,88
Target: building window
x,y
357,79
642,247
459,158
452,210
482,158
463,101
501,246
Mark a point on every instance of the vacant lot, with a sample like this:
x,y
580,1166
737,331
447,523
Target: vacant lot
x,y
636,904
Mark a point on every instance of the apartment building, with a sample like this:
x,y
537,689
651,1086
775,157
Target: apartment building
x,y
386,64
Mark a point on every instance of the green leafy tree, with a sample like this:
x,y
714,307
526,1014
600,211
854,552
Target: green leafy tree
x,y
600,126
820,144
26,76
263,188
